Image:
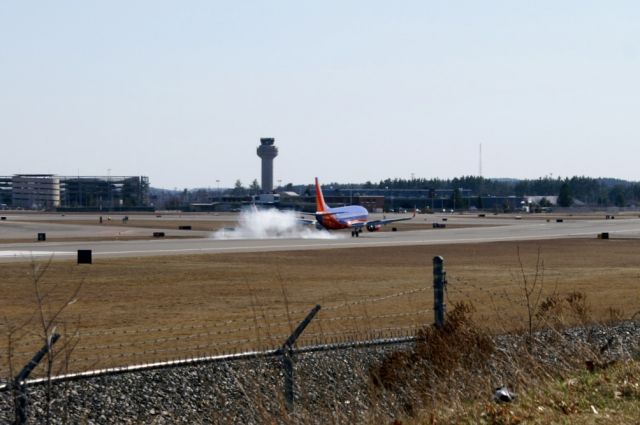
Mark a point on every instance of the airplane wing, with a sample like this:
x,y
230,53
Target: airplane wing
x,y
384,221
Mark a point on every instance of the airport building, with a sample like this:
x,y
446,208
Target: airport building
x,y
35,191
76,193
105,192
5,192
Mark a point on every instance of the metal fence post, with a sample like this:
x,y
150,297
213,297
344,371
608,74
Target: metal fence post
x,y
439,281
20,384
287,357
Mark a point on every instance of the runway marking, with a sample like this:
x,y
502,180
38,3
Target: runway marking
x,y
32,253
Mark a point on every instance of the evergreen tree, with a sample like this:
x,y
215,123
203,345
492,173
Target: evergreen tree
x,y
564,197
255,186
457,200
238,189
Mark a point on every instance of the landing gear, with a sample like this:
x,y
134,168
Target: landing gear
x,y
356,233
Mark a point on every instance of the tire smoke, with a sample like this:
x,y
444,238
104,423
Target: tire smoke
x,y
272,224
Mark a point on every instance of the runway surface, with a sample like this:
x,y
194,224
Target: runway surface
x,y
507,229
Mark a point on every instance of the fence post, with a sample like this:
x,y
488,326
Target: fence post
x,y
439,281
287,357
20,384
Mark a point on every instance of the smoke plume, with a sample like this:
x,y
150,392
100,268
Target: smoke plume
x,y
272,224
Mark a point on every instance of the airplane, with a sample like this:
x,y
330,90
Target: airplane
x,y
354,217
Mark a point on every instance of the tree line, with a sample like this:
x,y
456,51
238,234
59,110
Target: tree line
x,y
589,190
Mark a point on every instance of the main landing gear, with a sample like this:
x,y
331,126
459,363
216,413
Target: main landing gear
x,y
356,233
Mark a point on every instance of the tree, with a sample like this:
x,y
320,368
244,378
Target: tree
x,y
457,200
564,197
255,186
544,202
479,203
238,189
616,195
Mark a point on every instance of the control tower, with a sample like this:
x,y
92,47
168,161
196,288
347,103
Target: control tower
x,y
267,151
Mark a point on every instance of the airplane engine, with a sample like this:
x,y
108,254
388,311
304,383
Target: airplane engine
x,y
373,227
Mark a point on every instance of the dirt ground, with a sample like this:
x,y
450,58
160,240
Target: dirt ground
x,y
128,311
418,223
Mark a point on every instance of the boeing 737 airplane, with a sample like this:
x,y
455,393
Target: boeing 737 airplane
x,y
354,217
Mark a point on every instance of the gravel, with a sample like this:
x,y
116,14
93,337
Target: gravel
x,y
331,386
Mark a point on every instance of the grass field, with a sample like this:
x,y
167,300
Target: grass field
x,y
137,310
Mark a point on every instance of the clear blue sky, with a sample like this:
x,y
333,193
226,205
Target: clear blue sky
x,y
351,90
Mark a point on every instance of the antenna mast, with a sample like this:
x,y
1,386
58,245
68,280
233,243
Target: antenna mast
x,y
480,162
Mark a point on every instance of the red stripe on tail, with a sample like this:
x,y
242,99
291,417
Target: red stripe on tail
x,y
321,206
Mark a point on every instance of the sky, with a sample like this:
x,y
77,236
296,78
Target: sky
x,y
352,91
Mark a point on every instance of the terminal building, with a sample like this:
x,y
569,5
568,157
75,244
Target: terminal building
x,y
35,191
66,193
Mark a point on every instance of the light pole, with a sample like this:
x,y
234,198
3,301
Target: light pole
x,y
219,194
386,191
109,186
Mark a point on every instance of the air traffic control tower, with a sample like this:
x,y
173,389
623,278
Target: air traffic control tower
x,y
267,151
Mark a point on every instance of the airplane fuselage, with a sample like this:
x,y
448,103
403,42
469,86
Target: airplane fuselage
x,y
343,217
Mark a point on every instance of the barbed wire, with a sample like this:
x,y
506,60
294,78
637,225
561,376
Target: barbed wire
x,y
373,317
139,331
375,299
158,351
322,337
230,321
82,347
152,342
463,287
199,347
346,332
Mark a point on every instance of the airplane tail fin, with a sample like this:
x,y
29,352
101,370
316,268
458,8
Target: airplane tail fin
x,y
321,206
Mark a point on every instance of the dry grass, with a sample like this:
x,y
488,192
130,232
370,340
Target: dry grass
x,y
449,377
94,238
226,302
204,225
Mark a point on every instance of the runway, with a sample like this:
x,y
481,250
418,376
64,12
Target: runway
x,y
508,230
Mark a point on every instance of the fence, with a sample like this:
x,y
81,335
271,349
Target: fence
x,y
330,326
84,354
341,321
